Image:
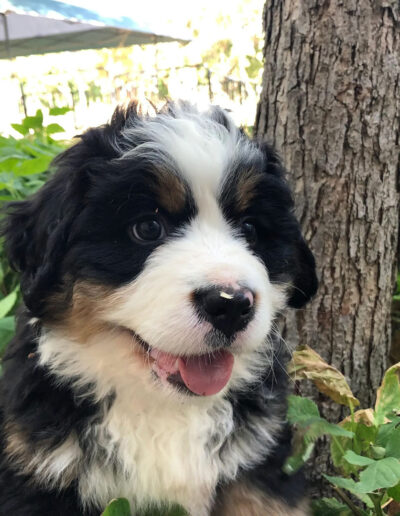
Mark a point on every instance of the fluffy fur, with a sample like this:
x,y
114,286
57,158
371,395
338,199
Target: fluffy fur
x,y
87,413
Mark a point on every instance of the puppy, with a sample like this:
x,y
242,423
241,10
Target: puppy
x,y
146,364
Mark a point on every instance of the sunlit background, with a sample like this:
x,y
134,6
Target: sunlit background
x,y
221,63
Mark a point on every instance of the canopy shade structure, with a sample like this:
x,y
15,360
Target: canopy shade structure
x,y
41,26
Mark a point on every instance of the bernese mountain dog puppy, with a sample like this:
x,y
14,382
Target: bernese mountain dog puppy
x,y
146,363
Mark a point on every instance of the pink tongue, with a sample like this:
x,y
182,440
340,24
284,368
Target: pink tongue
x,y
206,374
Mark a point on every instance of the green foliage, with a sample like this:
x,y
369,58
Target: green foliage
x,y
121,507
330,507
118,507
397,293
254,67
365,447
171,510
310,425
388,395
25,165
162,89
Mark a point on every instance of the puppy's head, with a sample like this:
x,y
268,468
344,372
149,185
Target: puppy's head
x,y
165,246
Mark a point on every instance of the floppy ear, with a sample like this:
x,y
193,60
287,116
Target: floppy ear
x,y
303,275
305,282
36,230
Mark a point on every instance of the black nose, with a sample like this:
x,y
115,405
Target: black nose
x,y
228,310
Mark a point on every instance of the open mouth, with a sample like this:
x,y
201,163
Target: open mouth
x,y
203,375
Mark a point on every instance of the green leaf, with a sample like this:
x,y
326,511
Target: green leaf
x,y
394,492
378,452
55,111
302,450
388,395
332,429
34,166
363,436
301,410
10,165
317,427
39,116
119,507
21,129
357,460
382,473
309,426
54,128
7,323
350,485
14,155
330,507
393,444
385,431
176,511
6,141
33,122
7,303
254,66
37,149
7,331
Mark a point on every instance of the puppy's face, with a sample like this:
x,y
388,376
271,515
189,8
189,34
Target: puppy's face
x,y
178,236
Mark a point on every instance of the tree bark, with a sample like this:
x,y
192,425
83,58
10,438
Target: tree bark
x,y
331,105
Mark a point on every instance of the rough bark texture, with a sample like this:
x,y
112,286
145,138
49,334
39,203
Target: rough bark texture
x,y
331,105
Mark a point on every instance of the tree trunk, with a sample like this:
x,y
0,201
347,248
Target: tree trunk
x,y
331,105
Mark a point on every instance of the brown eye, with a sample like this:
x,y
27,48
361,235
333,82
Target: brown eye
x,y
148,230
249,232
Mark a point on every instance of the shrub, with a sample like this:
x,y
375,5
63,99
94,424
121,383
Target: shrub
x,y
365,446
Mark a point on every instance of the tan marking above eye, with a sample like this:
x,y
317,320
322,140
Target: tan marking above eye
x,y
170,191
246,188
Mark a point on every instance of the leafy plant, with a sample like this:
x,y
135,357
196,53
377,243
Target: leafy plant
x,y
365,446
24,167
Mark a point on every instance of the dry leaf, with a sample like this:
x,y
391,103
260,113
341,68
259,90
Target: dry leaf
x,y
307,364
365,416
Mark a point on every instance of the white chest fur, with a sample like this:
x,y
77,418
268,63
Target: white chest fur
x,y
173,456
159,455
146,448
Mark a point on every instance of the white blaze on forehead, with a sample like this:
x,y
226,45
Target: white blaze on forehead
x,y
197,145
202,149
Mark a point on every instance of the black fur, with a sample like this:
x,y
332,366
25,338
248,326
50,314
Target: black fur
x,y
269,476
46,412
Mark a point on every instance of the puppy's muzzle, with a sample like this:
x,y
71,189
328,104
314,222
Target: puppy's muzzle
x,y
228,310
